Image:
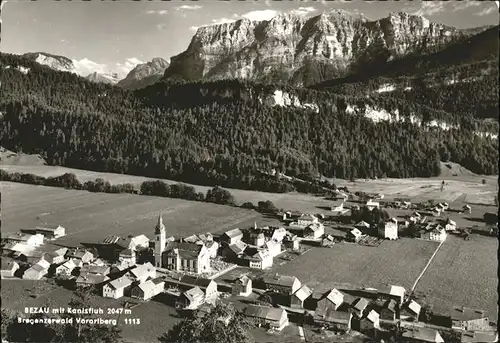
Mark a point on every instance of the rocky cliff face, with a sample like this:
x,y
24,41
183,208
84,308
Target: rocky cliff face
x,y
55,62
145,74
305,51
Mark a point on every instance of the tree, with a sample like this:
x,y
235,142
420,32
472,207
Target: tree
x,y
219,195
222,325
248,205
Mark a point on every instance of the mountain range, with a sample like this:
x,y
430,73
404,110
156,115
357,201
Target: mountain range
x,y
305,51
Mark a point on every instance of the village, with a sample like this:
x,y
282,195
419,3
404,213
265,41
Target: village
x,y
188,273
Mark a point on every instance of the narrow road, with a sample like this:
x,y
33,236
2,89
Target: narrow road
x,y
426,266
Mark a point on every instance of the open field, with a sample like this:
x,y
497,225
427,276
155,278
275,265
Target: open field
x,y
464,188
92,216
463,273
393,262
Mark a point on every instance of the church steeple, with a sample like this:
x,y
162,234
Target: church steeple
x,y
160,227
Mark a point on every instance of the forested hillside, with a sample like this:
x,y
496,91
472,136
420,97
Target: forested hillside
x,y
223,132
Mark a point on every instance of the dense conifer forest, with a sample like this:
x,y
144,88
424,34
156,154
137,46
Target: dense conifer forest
x,y
227,132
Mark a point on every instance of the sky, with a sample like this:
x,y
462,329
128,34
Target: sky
x,y
116,36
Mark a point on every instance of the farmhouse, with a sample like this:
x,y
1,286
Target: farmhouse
x,y
9,267
467,209
388,230
278,234
291,242
359,306
67,267
334,320
436,211
393,292
51,231
450,225
242,286
411,310
188,257
262,259
87,280
390,310
37,271
127,256
235,252
362,225
57,256
83,255
32,240
258,240
306,220
300,296
372,204
136,243
282,284
191,299
443,205
148,289
434,233
143,272
212,248
116,288
93,269
32,257
315,231
276,318
17,248
354,235
370,321
232,236
274,247
422,334
463,318
208,286
332,300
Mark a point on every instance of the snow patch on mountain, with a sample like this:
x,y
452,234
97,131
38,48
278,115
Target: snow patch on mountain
x,y
284,99
23,70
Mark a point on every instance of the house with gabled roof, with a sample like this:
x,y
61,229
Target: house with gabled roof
x,y
67,267
83,255
422,335
298,298
273,247
51,231
370,322
190,299
143,272
93,269
371,204
242,286
235,252
388,230
23,238
9,267
306,220
390,310
450,225
464,318
37,271
393,292
208,286
88,280
116,288
261,259
330,300
56,256
282,283
334,320
278,234
337,205
411,311
232,236
315,231
467,209
359,306
276,318
354,235
127,256
148,289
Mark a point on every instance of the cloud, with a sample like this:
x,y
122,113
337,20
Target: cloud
x,y
188,8
129,64
486,11
194,28
260,15
85,67
462,5
222,21
303,10
431,8
161,12
161,27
